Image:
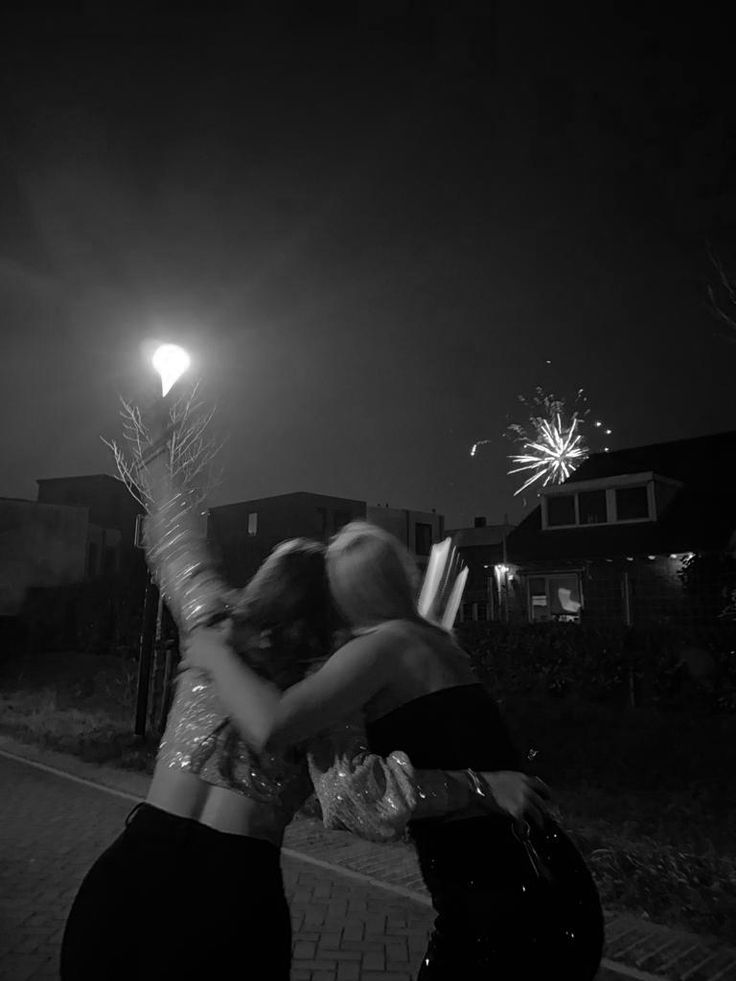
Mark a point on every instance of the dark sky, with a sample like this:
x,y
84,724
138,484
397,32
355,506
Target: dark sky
x,y
372,231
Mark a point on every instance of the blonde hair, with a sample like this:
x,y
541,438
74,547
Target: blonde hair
x,y
372,576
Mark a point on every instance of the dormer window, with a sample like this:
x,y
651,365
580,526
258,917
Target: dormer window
x,y
561,510
632,503
592,509
606,501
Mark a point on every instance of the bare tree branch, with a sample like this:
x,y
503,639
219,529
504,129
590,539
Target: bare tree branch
x,y
726,286
193,448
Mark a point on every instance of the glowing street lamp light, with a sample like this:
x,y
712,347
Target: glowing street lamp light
x,y
170,361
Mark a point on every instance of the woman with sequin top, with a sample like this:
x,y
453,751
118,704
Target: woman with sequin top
x,y
514,898
192,888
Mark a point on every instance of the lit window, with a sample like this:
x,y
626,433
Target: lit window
x,y
561,509
538,605
253,523
555,597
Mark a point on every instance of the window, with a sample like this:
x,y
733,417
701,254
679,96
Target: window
x,y
252,523
632,503
626,498
555,597
422,538
592,507
561,509
538,605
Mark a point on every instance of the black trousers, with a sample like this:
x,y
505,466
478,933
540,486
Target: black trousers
x,y
496,919
174,899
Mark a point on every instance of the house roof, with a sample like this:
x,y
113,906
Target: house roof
x,y
701,517
83,478
301,495
486,535
702,459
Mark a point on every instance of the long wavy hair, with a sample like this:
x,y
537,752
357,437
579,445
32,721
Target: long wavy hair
x,y
372,576
286,613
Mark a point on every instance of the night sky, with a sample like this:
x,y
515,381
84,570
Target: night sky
x,y
372,232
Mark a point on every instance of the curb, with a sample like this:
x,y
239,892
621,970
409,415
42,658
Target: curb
x,y
636,949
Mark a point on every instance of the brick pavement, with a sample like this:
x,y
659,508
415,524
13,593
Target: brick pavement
x,y
52,830
368,920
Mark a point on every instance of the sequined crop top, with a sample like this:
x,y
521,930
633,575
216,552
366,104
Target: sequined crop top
x,y
202,741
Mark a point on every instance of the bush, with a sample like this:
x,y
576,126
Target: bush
x,y
643,666
101,615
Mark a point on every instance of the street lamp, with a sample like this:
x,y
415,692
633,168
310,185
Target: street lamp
x,y
170,361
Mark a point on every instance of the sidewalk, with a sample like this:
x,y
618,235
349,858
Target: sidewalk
x,y
359,909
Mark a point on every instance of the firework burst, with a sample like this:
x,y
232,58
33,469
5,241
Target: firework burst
x,y
552,443
558,449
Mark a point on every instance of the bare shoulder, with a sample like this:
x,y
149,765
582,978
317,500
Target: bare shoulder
x,y
369,645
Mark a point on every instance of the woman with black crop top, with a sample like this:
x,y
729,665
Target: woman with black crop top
x,y
513,897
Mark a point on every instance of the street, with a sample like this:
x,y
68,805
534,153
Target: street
x,y
53,827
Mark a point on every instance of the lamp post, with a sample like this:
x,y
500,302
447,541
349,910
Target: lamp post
x,y
170,362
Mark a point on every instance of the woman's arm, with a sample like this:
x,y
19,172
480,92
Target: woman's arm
x,y
177,553
370,795
268,718
375,797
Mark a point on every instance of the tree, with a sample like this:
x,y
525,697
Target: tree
x,y
193,448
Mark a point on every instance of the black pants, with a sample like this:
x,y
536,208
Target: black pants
x,y
172,899
498,921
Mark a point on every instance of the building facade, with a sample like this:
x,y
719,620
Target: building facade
x,y
112,514
636,536
418,530
243,534
482,549
41,545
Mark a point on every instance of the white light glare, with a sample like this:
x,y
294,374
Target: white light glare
x,y
170,361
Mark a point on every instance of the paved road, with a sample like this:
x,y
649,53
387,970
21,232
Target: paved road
x,y
52,828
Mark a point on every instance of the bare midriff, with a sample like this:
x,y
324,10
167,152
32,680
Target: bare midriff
x,y
187,795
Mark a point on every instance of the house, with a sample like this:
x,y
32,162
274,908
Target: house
x,y
79,528
111,526
482,549
418,530
609,545
243,534
41,545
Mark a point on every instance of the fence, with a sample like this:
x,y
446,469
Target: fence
x,y
665,666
